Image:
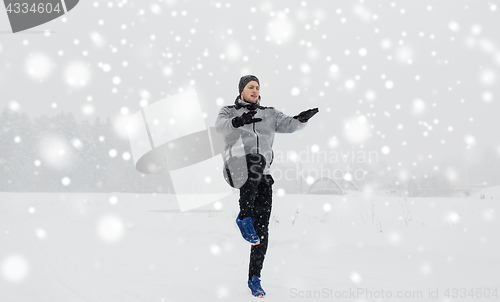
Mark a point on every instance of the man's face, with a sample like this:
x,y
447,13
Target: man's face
x,y
251,92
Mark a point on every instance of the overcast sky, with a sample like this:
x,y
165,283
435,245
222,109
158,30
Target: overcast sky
x,y
415,81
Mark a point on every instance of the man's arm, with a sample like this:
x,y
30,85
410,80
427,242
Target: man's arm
x,y
287,124
224,124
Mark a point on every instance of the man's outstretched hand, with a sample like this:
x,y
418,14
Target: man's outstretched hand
x,y
245,118
304,116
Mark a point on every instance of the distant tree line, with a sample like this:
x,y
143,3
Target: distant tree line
x,y
59,154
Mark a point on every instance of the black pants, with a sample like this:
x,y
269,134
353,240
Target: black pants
x,y
256,202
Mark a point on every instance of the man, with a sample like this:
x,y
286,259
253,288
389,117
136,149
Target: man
x,y
248,129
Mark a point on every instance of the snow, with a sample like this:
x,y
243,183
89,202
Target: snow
x,y
423,97
66,181
126,156
14,268
39,66
82,247
55,152
356,129
77,74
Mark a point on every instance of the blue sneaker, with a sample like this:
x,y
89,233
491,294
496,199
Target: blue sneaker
x,y
247,230
255,287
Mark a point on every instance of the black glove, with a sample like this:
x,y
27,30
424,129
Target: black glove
x,y
304,116
245,118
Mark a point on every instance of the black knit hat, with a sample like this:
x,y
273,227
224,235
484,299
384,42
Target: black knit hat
x,y
245,79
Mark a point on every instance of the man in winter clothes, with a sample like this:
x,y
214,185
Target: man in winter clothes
x,y
248,129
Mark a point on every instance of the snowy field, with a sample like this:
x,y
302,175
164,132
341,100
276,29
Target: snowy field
x,y
126,247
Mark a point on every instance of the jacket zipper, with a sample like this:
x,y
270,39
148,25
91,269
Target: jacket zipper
x,y
257,137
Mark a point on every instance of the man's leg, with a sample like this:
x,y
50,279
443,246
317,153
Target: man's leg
x,y
261,214
248,192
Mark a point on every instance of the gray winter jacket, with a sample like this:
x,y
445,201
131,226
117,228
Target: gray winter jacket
x,y
257,137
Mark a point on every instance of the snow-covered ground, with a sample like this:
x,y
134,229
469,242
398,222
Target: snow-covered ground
x,y
128,247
